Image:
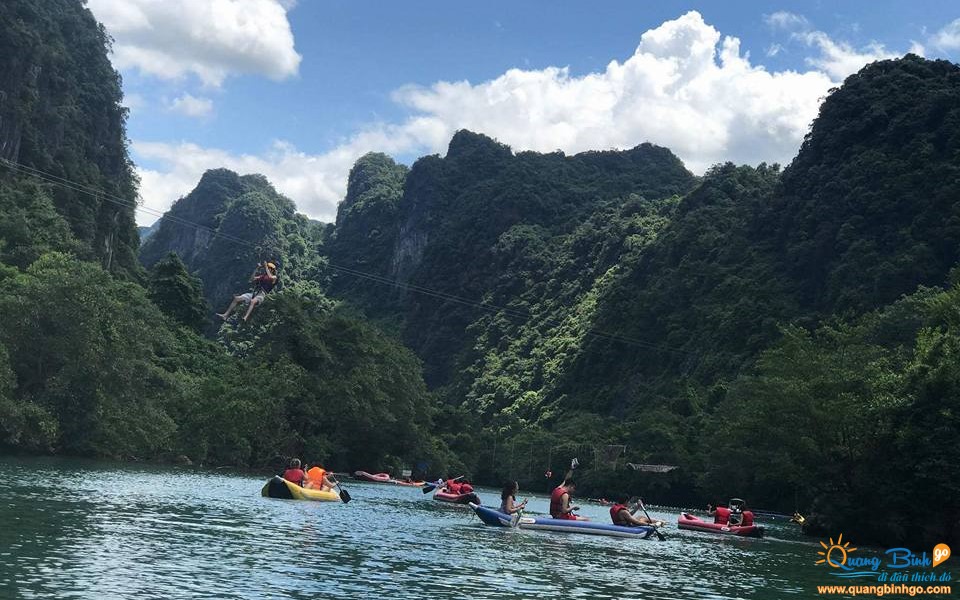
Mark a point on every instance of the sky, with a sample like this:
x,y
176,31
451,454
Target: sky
x,y
299,89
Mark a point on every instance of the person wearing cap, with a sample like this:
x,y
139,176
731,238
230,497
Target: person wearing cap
x,y
294,474
264,279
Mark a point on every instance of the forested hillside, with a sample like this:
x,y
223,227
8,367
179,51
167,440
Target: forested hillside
x,y
61,118
102,357
789,336
627,303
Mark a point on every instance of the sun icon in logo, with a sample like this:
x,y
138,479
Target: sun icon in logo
x,y
838,547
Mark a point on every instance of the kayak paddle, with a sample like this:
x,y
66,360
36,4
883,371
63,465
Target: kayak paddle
x,y
656,529
344,496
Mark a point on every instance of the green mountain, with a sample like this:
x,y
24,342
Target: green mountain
x,y
566,303
61,118
102,358
785,336
228,224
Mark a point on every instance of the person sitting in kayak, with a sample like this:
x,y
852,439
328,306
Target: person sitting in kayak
x,y
735,514
452,486
560,507
467,490
294,474
316,478
508,498
264,279
621,514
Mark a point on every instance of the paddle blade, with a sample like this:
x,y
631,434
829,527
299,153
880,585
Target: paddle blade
x,y
345,496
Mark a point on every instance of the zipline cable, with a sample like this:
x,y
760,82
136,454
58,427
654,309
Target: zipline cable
x,y
520,314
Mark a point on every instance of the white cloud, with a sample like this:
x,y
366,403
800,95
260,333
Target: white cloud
x,y
948,38
211,39
839,59
134,102
192,106
685,87
783,19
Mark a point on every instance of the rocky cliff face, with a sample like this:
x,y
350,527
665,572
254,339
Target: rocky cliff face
x,y
60,113
448,223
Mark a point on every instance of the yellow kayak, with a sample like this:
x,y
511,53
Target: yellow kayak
x,y
278,487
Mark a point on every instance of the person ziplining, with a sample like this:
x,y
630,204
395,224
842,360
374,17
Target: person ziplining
x,y
264,279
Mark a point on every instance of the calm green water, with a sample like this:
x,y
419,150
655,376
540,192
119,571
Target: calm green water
x,y
72,529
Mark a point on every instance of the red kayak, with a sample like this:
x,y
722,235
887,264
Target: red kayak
x,y
456,498
688,521
377,478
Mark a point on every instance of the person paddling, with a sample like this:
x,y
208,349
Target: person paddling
x,y
560,507
508,498
621,514
734,514
264,279
452,486
317,478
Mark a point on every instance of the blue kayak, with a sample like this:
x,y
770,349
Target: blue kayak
x,y
498,519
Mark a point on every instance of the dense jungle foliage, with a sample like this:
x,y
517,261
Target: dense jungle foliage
x,y
103,357
788,336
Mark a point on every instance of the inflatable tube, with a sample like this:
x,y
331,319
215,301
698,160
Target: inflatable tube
x,y
278,487
456,498
692,523
376,478
499,519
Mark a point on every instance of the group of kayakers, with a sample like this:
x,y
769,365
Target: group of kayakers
x,y
315,478
735,513
561,505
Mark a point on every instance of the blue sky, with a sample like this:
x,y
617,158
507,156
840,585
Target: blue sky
x,y
298,90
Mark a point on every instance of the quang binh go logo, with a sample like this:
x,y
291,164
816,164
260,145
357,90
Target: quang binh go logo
x,y
900,564
835,555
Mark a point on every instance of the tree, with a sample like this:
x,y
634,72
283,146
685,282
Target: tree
x,y
177,293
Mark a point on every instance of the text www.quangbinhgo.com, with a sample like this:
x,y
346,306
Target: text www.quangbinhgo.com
x,y
884,590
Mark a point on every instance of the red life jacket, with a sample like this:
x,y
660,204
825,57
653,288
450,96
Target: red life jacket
x,y
294,475
453,487
465,488
556,502
747,518
265,282
722,515
615,513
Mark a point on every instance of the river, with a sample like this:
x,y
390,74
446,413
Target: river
x,y
79,529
